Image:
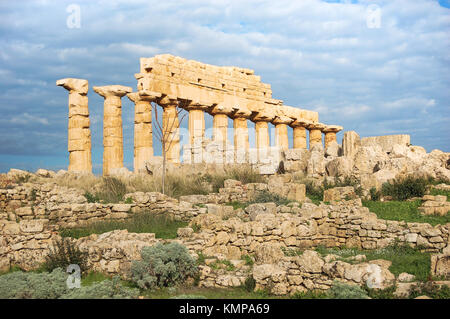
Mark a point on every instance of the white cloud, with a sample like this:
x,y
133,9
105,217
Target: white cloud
x,y
25,119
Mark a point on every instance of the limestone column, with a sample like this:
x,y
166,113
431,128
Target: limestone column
x,y
299,133
171,128
220,129
143,139
79,133
315,133
281,132
196,127
330,133
112,126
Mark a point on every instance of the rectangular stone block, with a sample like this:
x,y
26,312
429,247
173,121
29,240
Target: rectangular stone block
x,y
386,141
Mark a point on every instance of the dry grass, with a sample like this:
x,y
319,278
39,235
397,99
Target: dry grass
x,y
179,182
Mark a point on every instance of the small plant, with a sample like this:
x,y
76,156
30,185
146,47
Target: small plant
x,y
91,198
21,179
163,266
129,200
188,297
249,284
33,195
267,197
374,194
64,253
248,260
340,290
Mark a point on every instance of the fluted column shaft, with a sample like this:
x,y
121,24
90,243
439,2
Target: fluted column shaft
x,y
112,127
241,142
143,138
220,129
79,133
329,138
299,137
196,126
281,136
315,137
171,132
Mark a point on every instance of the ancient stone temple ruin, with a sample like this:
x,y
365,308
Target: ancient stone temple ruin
x,y
174,83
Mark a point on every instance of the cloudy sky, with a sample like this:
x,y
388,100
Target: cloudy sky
x,y
377,67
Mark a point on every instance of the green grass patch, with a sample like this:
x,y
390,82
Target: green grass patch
x,y
403,258
163,226
209,293
435,192
404,211
93,277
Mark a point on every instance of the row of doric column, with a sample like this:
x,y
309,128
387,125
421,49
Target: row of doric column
x,y
79,135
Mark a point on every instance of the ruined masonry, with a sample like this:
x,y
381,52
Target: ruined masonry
x,y
175,83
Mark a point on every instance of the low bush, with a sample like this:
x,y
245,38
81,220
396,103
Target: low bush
x,y
106,289
340,290
431,290
163,266
404,188
31,285
374,194
112,190
268,197
65,253
188,297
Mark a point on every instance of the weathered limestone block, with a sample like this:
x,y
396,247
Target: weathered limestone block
x,y
339,167
339,193
143,140
387,141
79,134
350,143
112,126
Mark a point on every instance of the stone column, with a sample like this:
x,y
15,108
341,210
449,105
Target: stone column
x,y
112,126
262,135
79,133
196,126
143,139
240,114
299,133
220,128
315,134
330,133
171,128
281,133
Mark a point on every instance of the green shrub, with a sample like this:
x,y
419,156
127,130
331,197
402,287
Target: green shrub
x,y
250,284
30,285
310,294
106,289
387,293
374,194
408,187
64,253
268,197
91,198
431,290
248,260
163,266
340,290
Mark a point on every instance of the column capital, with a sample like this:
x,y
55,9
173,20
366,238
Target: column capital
x,y
332,129
316,126
168,100
147,95
220,109
112,90
300,123
280,119
190,105
80,86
